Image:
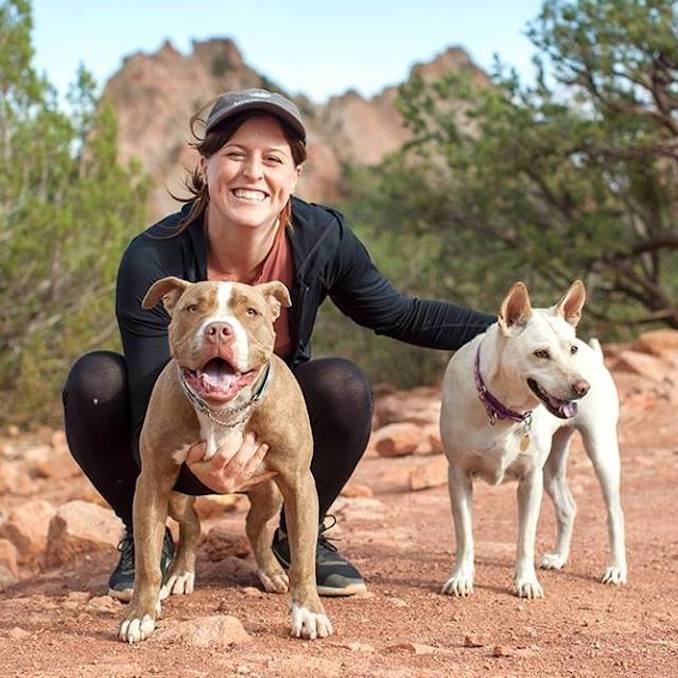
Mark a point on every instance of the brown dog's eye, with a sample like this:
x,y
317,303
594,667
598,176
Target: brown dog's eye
x,y
574,349
542,353
192,308
252,312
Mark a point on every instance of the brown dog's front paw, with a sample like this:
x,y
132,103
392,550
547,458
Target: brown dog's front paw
x,y
309,625
138,625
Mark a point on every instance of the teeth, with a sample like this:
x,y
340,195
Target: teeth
x,y
244,194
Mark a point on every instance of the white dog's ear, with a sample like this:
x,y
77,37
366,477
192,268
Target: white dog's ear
x,y
516,308
572,302
276,295
168,289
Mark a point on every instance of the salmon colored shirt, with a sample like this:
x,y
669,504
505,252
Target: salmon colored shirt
x,y
278,265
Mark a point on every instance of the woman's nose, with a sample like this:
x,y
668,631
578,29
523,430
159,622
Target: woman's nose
x,y
254,168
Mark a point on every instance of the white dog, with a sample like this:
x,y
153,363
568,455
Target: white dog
x,y
509,413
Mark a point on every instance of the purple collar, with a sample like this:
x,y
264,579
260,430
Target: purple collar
x,y
494,408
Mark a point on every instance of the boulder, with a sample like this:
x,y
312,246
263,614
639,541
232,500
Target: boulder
x,y
353,490
27,527
643,364
6,578
658,342
9,556
396,440
79,527
216,631
430,474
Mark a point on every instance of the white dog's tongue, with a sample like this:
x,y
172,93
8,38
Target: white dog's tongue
x,y
569,409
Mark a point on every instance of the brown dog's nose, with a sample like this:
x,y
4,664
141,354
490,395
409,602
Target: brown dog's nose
x,y
218,331
581,387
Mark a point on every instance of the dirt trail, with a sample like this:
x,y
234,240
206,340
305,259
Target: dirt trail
x,y
402,542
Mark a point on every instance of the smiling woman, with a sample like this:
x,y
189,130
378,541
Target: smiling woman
x,y
243,224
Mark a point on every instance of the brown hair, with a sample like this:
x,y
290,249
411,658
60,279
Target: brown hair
x,y
208,145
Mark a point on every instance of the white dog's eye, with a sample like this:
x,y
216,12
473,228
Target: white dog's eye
x,y
574,349
542,353
251,312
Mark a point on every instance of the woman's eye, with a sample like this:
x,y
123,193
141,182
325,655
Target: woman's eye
x,y
251,312
274,159
542,353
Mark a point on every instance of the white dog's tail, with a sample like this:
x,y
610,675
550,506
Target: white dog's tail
x,y
595,345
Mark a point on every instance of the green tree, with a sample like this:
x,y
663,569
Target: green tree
x,y
572,176
67,209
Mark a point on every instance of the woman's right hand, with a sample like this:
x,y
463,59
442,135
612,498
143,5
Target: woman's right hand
x,y
229,471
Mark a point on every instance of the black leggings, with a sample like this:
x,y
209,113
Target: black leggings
x,y
99,429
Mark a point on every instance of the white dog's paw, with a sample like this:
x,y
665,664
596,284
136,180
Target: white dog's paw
x,y
309,625
135,630
614,575
274,583
528,587
178,585
553,561
460,584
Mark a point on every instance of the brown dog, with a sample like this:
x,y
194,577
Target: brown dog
x,y
223,381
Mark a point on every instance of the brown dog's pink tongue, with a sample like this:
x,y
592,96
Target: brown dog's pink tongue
x,y
218,374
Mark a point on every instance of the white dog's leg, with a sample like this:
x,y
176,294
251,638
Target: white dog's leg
x,y
460,487
530,491
555,483
603,450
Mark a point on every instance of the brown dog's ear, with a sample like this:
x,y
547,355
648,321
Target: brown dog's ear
x,y
168,289
572,302
276,295
516,308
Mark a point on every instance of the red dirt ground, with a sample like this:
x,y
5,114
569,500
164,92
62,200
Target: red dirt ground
x,y
402,542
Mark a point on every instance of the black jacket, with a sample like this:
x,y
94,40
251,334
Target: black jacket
x,y
329,260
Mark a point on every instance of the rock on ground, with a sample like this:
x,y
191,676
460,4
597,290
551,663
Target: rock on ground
x,y
78,527
216,631
27,527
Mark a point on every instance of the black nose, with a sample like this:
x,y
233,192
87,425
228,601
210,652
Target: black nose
x,y
218,331
581,388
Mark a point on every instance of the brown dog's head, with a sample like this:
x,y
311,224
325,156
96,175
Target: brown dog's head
x,y
221,333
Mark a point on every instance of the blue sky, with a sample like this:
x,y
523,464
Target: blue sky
x,y
316,47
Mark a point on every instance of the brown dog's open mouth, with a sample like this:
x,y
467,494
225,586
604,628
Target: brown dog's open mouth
x,y
217,380
564,409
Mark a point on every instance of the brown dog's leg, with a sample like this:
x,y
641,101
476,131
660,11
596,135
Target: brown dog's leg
x,y
265,500
301,513
150,513
182,573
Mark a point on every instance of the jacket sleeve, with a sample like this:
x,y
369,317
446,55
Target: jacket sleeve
x,y
143,332
363,294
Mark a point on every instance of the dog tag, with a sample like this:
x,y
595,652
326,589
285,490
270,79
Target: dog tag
x,y
524,443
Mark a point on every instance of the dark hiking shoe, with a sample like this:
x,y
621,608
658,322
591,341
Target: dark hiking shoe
x,y
121,582
335,576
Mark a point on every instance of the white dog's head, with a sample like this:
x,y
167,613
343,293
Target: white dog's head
x,y
540,346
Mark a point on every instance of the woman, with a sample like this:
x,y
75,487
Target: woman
x,y
243,224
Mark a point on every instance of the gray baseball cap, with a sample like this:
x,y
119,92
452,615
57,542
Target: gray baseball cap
x,y
276,104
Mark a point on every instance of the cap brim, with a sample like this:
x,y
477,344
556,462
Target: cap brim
x,y
266,107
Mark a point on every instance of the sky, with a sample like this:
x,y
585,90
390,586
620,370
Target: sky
x,y
315,47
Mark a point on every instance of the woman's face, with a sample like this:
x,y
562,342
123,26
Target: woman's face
x,y
251,177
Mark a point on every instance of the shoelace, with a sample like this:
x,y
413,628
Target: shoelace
x,y
324,541
126,548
